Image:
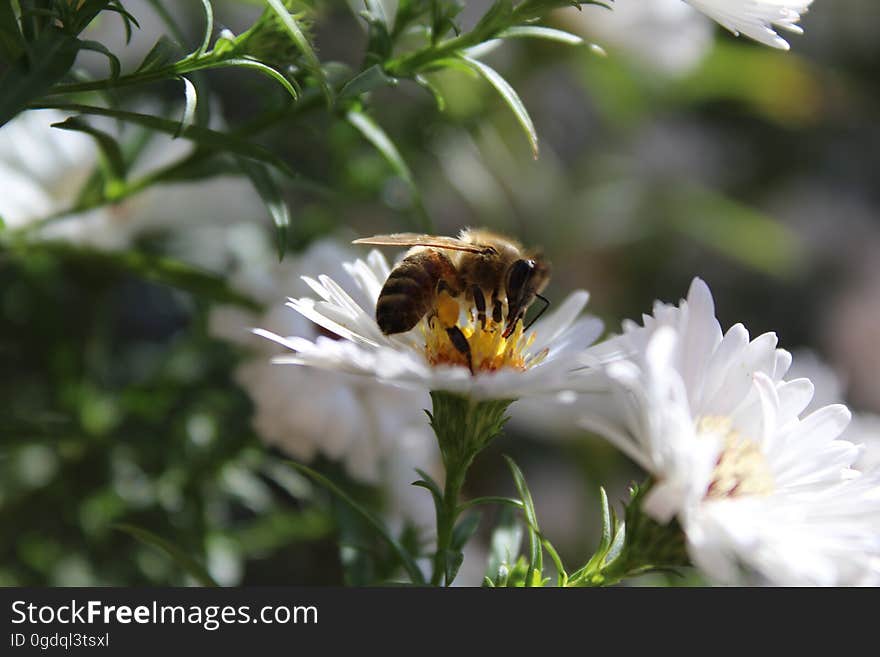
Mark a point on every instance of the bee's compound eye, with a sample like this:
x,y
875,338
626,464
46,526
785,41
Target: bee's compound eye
x,y
519,274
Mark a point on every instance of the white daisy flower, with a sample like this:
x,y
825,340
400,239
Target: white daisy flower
x,y
762,493
525,363
44,169
863,430
378,433
756,18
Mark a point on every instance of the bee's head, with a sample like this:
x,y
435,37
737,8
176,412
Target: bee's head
x,y
525,279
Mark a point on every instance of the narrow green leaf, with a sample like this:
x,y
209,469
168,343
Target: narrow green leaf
x,y
607,525
95,46
148,266
510,97
463,531
499,15
536,557
27,80
374,134
504,544
245,62
168,19
108,145
367,80
11,41
524,493
297,36
737,231
561,575
209,28
425,83
539,32
127,19
164,52
405,557
181,558
204,137
270,192
492,499
189,110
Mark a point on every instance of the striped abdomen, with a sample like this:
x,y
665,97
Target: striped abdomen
x,y
408,294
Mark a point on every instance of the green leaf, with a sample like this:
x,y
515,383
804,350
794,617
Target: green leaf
x,y
27,80
209,29
462,533
127,19
737,231
270,192
428,483
561,575
246,62
189,109
498,16
492,499
297,36
151,267
536,559
372,78
510,97
109,146
168,19
539,32
164,52
504,544
405,557
204,137
11,41
374,134
425,83
180,557
94,46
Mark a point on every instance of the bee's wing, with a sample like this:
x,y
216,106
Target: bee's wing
x,y
415,239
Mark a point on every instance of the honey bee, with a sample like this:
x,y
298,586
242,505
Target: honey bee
x,y
495,273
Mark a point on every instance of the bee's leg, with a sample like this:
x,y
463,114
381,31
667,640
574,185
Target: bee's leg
x,y
497,308
443,286
546,305
460,342
480,303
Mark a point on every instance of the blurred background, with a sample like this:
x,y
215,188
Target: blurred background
x,y
132,396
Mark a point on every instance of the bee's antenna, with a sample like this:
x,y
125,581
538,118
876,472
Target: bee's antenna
x,y
546,302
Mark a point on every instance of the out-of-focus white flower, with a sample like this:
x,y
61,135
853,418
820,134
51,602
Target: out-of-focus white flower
x,y
756,18
663,35
379,433
762,493
863,430
504,368
43,170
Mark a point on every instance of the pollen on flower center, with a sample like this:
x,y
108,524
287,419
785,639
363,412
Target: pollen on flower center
x,y
489,349
741,468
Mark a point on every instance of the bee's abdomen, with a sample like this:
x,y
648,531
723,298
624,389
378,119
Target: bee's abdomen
x,y
408,294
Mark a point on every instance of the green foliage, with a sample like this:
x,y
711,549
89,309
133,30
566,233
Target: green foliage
x,y
107,427
406,558
178,555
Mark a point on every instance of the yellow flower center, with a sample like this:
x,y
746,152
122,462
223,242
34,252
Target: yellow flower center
x,y
742,468
489,349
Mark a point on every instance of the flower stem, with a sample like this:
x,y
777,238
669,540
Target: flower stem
x,y
464,427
